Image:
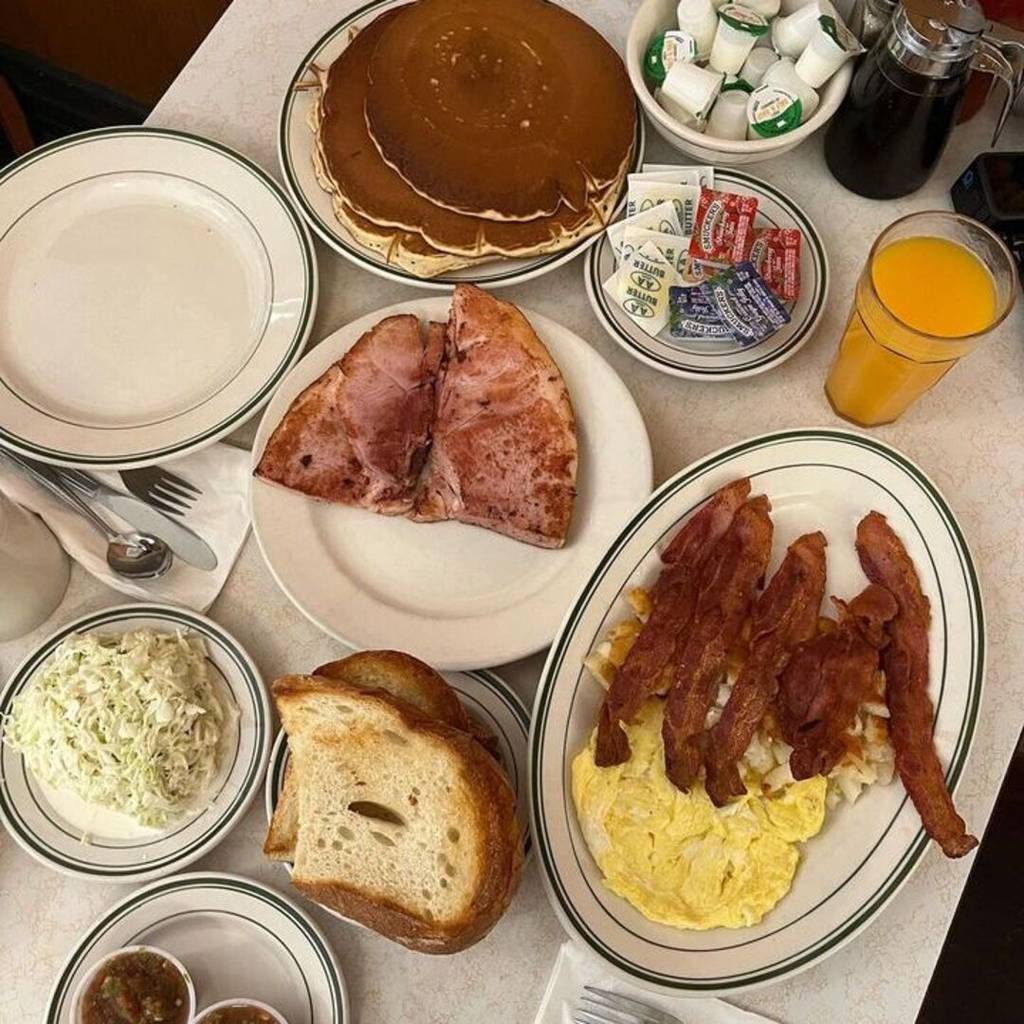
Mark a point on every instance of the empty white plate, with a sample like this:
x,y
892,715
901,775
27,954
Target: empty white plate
x,y
154,288
816,479
63,832
456,596
237,938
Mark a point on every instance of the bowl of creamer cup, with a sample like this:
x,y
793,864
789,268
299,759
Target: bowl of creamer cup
x,y
686,129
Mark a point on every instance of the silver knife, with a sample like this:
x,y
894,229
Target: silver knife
x,y
188,546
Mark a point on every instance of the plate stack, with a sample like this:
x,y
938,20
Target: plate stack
x,y
451,132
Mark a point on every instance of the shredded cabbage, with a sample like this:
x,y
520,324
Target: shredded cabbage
x,y
131,723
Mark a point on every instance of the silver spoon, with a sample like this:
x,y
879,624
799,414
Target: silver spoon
x,y
134,555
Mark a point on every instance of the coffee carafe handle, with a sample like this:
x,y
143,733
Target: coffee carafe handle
x,y
1003,60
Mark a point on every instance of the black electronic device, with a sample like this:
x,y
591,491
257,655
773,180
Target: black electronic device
x,y
992,190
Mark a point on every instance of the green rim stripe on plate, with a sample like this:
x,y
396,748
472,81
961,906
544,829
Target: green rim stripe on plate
x,y
810,320
10,814
303,326
61,992
910,858
360,254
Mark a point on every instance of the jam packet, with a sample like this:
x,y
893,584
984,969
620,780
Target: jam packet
x,y
723,229
693,316
745,303
776,257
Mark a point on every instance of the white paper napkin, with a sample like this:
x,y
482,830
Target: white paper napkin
x,y
220,516
575,967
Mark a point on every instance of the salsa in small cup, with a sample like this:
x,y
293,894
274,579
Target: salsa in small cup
x,y
135,985
240,1011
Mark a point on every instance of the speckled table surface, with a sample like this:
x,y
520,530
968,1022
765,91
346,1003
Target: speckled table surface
x,y
966,435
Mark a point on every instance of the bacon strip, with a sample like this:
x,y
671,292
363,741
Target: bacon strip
x,y
784,616
885,561
828,678
728,582
672,602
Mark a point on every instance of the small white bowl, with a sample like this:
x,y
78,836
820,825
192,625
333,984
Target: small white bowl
x,y
655,16
204,1015
86,981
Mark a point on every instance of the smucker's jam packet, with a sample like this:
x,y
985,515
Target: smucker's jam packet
x,y
723,227
776,257
745,303
692,315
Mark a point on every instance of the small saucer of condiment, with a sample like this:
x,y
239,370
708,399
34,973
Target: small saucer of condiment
x,y
136,985
239,1011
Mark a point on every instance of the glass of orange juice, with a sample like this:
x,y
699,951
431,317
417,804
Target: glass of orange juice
x,y
934,285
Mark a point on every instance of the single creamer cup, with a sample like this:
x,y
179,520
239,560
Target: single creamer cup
x,y
676,112
791,34
767,8
666,49
757,64
783,72
690,90
700,19
772,111
738,30
728,118
831,45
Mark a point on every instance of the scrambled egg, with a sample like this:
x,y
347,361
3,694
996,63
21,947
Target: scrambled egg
x,y
675,856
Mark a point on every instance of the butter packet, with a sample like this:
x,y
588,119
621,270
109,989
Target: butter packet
x,y
701,175
641,287
675,248
642,195
662,218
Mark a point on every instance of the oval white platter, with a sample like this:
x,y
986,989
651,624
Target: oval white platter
x,y
715,360
493,704
234,935
155,287
456,596
64,833
295,152
816,479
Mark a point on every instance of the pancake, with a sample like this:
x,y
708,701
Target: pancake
x,y
381,210
502,109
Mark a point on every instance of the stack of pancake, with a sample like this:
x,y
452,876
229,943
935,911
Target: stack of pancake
x,y
452,132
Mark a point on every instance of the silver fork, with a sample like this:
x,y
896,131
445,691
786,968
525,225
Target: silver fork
x,y
599,1006
164,490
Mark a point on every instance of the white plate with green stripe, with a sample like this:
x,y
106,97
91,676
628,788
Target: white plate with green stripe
x,y
493,704
715,360
295,152
237,938
155,287
816,479
63,832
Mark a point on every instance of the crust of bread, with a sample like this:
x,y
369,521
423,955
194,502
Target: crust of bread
x,y
493,817
408,676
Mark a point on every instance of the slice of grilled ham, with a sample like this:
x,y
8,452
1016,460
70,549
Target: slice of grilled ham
x,y
359,434
504,450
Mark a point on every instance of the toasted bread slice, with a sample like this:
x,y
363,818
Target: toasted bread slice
x,y
408,825
404,677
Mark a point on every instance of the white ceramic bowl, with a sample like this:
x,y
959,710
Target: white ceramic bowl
x,y
225,1003
655,16
87,979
